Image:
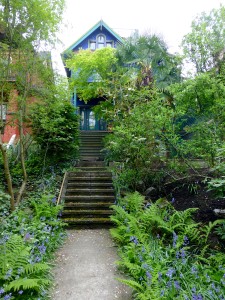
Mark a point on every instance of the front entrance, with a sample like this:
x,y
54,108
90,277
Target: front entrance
x,y
89,121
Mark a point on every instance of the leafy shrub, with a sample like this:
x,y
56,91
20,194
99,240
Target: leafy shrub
x,y
55,128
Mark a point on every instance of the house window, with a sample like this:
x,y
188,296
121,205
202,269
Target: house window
x,y
92,45
100,41
109,44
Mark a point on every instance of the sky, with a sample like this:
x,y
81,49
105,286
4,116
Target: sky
x,y
171,19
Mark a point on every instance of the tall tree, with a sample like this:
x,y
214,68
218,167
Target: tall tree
x,y
25,26
149,54
204,46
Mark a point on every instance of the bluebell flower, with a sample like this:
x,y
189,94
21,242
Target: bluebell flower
x,y
2,291
175,237
159,276
134,239
54,200
20,292
148,274
172,200
162,293
176,285
42,249
8,274
186,241
27,236
170,273
8,296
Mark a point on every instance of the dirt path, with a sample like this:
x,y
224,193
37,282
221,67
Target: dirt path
x,y
86,268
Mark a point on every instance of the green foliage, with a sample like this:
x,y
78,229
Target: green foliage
x,y
204,45
165,253
91,71
140,141
55,128
147,55
17,274
28,239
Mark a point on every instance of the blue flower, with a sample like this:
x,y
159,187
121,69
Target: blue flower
x,y
20,292
170,273
148,274
42,249
27,236
172,200
175,237
54,200
2,291
7,297
134,239
186,241
176,285
8,274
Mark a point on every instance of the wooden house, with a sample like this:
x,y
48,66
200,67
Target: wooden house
x,y
99,36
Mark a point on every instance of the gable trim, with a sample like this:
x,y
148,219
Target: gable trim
x,y
96,26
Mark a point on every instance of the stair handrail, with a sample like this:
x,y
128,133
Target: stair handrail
x,y
61,189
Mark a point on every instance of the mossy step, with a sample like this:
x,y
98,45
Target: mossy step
x,y
87,205
90,179
96,198
81,191
87,213
85,221
81,173
90,185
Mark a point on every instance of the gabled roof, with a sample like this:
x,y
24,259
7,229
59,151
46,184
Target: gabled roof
x,y
101,23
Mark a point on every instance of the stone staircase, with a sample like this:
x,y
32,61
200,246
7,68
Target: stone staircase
x,y
87,195
87,192
91,145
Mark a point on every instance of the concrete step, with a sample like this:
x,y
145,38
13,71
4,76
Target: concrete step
x,y
90,185
90,206
92,174
87,213
90,179
91,198
87,191
87,221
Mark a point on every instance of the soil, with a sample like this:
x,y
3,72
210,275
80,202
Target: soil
x,y
192,192
184,197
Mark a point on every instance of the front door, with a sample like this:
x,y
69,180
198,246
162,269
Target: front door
x,y
89,121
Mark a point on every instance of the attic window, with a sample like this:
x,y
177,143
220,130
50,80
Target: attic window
x,y
100,42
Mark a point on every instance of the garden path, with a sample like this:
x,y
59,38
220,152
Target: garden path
x,y
86,270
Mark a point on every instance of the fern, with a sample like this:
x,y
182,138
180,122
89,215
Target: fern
x,y
14,256
27,284
208,228
133,284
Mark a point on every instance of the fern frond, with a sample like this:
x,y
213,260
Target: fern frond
x,y
133,284
26,284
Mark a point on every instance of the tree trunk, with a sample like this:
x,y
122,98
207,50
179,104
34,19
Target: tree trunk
x,y
22,159
7,176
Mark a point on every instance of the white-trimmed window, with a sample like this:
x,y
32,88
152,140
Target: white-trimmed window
x,y
100,42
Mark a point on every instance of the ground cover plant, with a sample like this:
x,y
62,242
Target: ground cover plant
x,y
28,238
166,254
